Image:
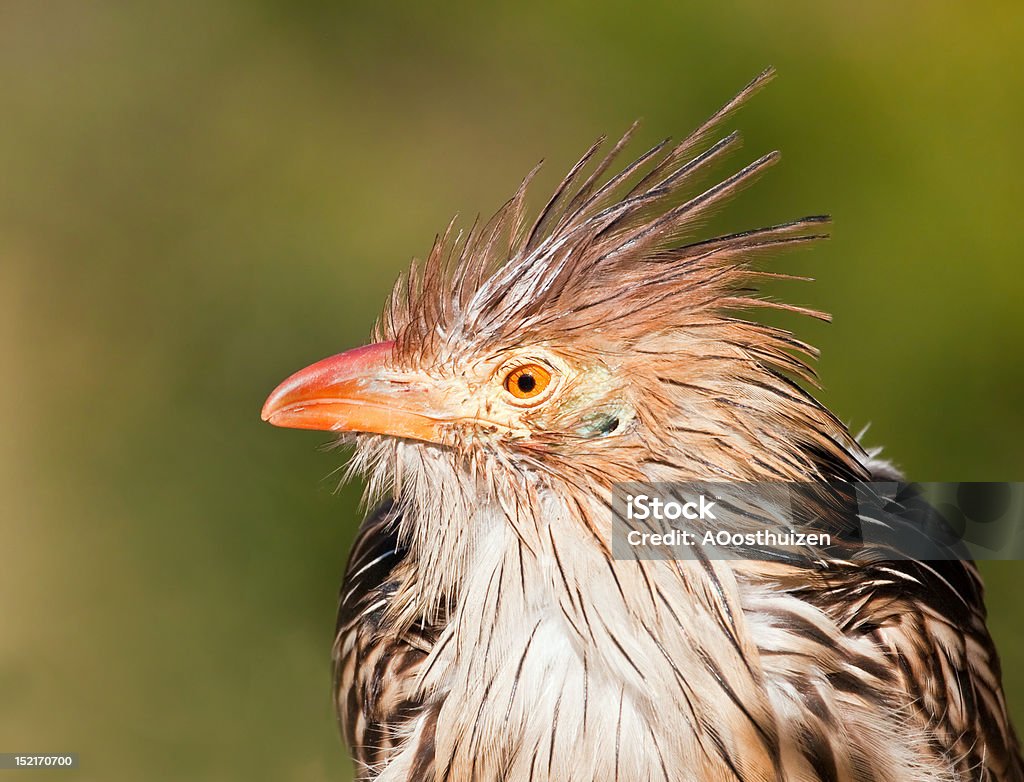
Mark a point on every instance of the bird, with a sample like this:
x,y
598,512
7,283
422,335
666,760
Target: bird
x,y
485,629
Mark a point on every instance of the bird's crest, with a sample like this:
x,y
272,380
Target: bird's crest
x,y
613,252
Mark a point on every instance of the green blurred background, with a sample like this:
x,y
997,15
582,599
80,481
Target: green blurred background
x,y
198,198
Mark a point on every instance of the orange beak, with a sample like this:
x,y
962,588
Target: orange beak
x,y
356,391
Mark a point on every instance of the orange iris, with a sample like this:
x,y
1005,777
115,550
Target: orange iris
x,y
527,381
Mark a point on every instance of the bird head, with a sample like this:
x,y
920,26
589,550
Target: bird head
x,y
602,342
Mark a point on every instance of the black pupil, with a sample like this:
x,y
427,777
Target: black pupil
x,y
526,383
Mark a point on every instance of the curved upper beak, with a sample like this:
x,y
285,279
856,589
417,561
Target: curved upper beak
x,y
357,391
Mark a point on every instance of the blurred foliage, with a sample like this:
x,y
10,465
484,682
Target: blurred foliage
x,y
197,199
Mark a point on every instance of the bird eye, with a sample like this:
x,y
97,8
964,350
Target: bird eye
x,y
527,381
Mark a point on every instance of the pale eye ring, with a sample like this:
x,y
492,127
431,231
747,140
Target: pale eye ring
x,y
527,382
